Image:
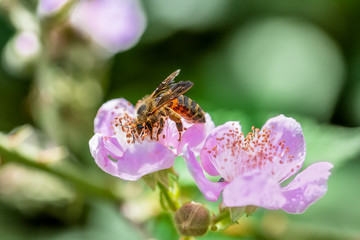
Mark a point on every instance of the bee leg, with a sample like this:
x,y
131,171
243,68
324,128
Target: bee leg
x,y
161,128
177,119
148,125
179,127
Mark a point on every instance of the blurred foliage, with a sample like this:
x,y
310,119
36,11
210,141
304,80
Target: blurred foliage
x,y
249,60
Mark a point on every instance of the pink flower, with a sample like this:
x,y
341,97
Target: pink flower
x,y
253,167
122,152
116,25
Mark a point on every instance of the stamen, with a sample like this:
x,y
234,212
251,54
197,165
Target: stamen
x,y
235,154
127,132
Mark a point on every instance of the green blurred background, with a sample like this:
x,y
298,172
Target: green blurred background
x,y
249,60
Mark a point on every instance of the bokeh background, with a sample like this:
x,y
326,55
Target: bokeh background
x,y
249,60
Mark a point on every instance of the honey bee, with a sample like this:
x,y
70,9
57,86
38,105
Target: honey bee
x,y
167,101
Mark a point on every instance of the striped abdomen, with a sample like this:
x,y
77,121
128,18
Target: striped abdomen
x,y
187,109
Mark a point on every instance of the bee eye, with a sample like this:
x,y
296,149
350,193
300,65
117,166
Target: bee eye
x,y
139,127
141,109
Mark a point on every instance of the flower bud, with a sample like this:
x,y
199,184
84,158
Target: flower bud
x,y
192,219
115,25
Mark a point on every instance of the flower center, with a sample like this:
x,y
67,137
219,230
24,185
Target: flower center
x,y
127,131
235,154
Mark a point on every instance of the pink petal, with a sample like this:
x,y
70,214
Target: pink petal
x,y
211,190
100,154
255,188
137,161
288,129
142,159
196,134
169,137
115,150
307,187
211,142
108,111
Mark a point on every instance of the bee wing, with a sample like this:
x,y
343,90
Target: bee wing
x,y
175,91
165,85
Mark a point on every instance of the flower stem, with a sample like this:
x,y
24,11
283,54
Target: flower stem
x,y
223,215
76,177
220,216
171,203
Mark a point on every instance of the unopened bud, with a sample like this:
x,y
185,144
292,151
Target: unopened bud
x,y
192,219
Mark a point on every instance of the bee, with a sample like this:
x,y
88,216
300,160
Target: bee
x,y
167,101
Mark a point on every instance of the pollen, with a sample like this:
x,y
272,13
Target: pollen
x,y
128,132
234,153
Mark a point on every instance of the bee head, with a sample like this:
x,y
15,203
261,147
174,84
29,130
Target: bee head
x,y
142,109
139,127
141,112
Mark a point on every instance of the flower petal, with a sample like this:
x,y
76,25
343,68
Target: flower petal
x,y
141,159
169,137
289,130
254,188
100,154
211,142
107,112
115,150
211,190
137,161
196,134
307,187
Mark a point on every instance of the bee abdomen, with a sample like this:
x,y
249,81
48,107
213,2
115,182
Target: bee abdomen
x,y
188,109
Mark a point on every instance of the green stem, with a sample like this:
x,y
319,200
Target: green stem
x,y
79,179
221,216
171,203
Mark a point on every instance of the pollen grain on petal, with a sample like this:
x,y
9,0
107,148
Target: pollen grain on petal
x,y
234,153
